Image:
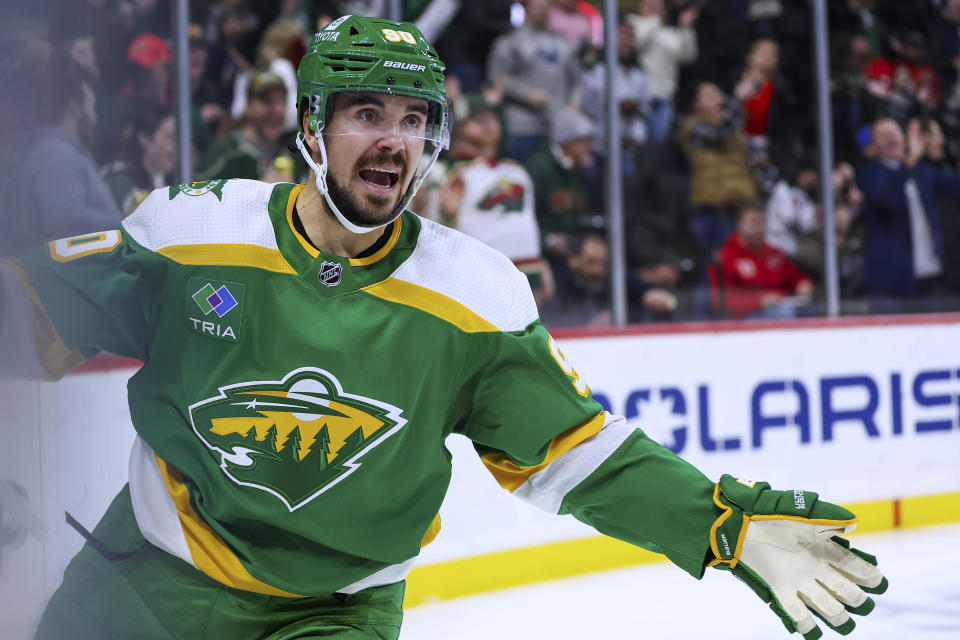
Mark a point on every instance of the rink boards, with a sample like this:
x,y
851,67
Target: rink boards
x,y
866,413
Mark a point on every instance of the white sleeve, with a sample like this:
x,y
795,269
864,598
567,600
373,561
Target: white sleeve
x,y
688,45
547,488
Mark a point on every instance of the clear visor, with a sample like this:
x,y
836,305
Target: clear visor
x,y
400,139
380,115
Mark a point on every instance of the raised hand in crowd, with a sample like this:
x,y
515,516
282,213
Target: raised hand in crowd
x,y
688,17
915,143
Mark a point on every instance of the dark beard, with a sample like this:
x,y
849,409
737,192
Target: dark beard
x,y
368,211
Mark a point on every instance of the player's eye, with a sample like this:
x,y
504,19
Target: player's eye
x,y
367,116
413,123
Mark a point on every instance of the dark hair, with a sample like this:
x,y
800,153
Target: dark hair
x,y
579,240
148,119
60,83
753,204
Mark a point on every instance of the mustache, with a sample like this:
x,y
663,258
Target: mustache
x,y
396,159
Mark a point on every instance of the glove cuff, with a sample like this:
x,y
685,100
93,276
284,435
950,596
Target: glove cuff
x,y
742,501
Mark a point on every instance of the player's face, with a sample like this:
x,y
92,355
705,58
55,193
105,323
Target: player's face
x,y
374,145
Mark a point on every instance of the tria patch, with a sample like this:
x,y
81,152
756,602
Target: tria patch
x,y
294,438
199,188
215,308
331,273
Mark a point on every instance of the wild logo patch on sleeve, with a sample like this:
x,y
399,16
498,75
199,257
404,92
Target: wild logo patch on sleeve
x,y
215,308
294,438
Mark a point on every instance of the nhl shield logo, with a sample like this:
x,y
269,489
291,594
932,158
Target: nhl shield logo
x,y
294,438
330,273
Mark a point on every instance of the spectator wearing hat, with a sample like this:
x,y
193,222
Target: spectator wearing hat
x,y
269,58
253,150
148,86
56,190
131,180
567,202
493,199
149,56
540,72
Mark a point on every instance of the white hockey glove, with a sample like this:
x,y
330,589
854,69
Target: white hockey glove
x,y
784,546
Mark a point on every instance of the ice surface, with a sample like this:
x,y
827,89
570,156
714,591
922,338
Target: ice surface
x,y
660,602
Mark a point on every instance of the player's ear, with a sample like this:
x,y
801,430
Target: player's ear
x,y
309,135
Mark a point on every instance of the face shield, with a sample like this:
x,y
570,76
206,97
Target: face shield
x,y
386,144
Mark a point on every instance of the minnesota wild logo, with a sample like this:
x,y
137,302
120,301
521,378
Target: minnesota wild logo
x,y
199,188
294,438
505,194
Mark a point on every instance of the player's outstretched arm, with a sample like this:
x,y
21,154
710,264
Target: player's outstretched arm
x,y
785,546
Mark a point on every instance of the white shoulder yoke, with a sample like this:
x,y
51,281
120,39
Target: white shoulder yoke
x,y
470,274
204,213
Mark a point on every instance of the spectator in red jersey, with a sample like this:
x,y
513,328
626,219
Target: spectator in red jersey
x,y
752,278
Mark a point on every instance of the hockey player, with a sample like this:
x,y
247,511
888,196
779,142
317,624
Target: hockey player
x,y
308,348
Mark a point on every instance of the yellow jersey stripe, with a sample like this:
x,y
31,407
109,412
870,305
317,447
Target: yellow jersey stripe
x,y
382,251
434,303
511,476
432,532
314,253
209,552
54,356
291,201
230,255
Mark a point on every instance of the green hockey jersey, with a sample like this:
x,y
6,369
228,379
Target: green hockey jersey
x,y
293,405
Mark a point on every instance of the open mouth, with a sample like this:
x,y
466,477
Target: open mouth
x,y
381,179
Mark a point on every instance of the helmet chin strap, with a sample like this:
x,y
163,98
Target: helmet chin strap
x,y
320,173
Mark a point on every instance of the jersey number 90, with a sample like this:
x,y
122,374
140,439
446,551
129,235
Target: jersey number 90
x,y
578,383
392,35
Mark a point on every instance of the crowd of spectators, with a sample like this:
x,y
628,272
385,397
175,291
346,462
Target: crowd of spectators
x,y
717,99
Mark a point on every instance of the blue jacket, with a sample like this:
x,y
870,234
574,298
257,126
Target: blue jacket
x,y
888,245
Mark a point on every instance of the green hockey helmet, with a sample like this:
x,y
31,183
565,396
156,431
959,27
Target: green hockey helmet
x,y
360,55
